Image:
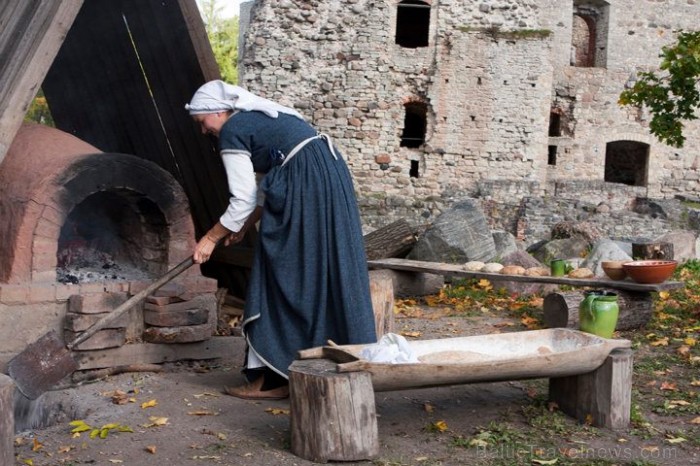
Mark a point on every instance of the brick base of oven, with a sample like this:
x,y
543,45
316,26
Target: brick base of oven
x,y
28,311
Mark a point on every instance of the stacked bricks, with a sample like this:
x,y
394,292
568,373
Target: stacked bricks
x,y
85,310
172,314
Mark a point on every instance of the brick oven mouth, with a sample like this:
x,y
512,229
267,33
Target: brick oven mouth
x,y
112,235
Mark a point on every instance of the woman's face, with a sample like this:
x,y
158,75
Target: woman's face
x,y
211,123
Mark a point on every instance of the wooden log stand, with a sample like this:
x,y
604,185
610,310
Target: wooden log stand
x,y
561,309
600,398
7,421
333,416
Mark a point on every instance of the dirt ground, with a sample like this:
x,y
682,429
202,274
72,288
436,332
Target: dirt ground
x,y
191,422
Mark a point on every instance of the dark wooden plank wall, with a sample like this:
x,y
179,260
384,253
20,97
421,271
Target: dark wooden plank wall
x,y
120,82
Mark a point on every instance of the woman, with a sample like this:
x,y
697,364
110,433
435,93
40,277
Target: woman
x,y
309,280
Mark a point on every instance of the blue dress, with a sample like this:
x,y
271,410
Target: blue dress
x,y
309,281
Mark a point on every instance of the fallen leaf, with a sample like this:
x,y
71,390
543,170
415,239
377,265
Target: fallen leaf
x,y
29,462
679,402
428,407
676,440
151,449
554,461
149,404
440,426
411,334
156,421
690,341
115,461
696,420
200,395
120,398
668,386
277,411
221,436
684,351
202,412
65,449
651,448
479,443
695,383
660,342
37,445
588,420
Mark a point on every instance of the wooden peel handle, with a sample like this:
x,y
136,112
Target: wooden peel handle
x,y
131,302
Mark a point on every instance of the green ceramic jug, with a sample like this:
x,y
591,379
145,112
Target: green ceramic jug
x,y
598,312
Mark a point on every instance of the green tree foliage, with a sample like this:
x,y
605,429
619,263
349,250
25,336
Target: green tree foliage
x,y
223,36
673,95
38,111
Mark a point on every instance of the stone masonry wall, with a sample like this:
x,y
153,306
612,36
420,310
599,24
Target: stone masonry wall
x,y
488,95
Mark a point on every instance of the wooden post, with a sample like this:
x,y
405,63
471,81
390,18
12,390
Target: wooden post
x,y
561,309
653,251
381,287
7,421
333,416
603,397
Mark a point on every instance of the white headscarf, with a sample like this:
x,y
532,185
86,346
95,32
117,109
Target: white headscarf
x,y
218,96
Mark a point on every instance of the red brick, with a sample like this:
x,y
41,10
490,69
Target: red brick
x,y
14,294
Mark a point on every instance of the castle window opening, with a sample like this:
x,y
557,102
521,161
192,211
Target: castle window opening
x,y
552,155
413,172
415,122
627,162
412,23
589,34
554,124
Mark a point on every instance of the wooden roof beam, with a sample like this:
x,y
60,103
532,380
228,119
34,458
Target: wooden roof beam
x,y
31,33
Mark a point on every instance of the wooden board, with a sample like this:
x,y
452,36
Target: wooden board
x,y
457,270
30,36
152,353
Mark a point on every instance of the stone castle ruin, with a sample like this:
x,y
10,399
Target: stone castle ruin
x,y
513,102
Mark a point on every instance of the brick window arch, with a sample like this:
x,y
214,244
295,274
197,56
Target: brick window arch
x,y
412,23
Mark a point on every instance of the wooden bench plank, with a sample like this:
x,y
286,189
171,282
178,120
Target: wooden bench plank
x,y
456,270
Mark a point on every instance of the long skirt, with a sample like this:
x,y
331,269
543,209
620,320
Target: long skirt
x,y
309,281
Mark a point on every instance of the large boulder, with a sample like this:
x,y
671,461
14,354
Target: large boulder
x,y
605,250
505,244
567,248
683,244
458,235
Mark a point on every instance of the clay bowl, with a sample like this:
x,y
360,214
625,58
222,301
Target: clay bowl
x,y
650,271
614,269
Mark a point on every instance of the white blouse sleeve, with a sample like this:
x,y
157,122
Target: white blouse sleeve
x,y
242,187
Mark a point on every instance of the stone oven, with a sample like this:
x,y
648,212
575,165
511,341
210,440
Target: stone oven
x,y
82,231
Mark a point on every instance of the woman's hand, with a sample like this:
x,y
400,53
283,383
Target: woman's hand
x,y
235,237
203,250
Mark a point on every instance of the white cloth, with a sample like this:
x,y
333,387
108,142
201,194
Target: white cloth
x,y
391,348
242,186
218,96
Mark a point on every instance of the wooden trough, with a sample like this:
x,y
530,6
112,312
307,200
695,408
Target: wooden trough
x,y
530,354
590,379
